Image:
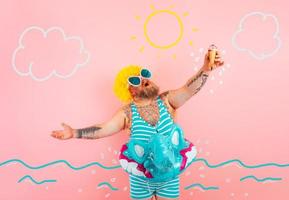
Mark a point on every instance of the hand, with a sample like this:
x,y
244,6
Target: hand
x,y
217,61
67,133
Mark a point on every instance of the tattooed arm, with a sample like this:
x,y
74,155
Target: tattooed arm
x,y
178,97
116,124
195,83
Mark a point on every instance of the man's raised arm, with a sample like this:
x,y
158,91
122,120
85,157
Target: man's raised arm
x,y
178,97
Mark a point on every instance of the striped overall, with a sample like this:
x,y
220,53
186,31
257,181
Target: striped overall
x,y
141,188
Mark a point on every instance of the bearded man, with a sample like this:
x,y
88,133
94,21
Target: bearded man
x,y
148,114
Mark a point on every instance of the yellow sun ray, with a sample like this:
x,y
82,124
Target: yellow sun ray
x,y
186,14
141,49
137,17
133,37
194,29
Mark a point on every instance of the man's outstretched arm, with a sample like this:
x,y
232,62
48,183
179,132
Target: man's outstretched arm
x,y
114,125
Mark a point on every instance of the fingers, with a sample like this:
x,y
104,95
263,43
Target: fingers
x,y
218,60
57,134
54,134
65,126
218,55
218,63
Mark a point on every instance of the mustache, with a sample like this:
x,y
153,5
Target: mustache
x,y
148,92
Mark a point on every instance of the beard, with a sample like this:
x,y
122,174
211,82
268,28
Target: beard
x,y
148,93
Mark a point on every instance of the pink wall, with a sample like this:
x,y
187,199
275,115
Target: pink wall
x,y
74,50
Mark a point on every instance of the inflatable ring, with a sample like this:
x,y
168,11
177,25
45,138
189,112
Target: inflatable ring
x,y
162,158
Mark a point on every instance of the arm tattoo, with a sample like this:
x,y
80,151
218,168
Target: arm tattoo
x,y
197,82
88,133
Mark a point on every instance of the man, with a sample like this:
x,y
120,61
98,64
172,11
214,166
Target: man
x,y
145,105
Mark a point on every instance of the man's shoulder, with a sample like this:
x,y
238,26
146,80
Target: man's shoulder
x,y
126,109
126,105
165,97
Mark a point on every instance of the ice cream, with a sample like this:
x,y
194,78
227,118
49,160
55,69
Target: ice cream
x,y
212,55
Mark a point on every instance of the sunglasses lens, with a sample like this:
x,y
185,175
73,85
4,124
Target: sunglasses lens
x,y
134,80
145,73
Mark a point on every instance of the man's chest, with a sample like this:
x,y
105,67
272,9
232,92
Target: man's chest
x,y
151,114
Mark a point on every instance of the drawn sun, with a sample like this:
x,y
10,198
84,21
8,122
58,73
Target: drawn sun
x,y
163,29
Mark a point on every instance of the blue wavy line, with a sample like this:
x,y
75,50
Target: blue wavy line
x,y
260,180
118,166
31,178
201,186
240,163
108,184
58,161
